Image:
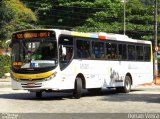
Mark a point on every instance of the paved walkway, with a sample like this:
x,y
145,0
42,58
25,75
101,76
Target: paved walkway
x,y
8,79
5,82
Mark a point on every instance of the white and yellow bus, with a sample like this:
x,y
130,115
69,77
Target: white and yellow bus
x,y
61,60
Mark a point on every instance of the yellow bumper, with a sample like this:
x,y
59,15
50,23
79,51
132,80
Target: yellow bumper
x,y
32,76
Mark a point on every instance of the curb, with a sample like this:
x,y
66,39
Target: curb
x,y
151,85
5,82
8,79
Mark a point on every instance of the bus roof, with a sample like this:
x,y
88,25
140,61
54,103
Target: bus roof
x,y
105,36
99,35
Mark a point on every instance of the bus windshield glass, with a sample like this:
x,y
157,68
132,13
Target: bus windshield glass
x,y
34,53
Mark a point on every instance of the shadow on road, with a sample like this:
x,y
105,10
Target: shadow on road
x,y
32,96
107,95
53,95
134,97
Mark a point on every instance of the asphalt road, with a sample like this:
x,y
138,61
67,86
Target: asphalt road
x,y
140,100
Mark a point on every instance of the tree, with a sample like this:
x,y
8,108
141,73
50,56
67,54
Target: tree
x,y
106,18
14,16
139,19
97,16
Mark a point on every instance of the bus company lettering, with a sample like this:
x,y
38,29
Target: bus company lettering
x,y
84,66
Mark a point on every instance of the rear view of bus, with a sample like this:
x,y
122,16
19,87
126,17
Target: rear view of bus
x,y
34,58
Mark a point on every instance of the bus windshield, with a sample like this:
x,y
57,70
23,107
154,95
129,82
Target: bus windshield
x,y
38,53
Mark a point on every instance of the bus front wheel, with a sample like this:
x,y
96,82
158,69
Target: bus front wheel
x,y
78,88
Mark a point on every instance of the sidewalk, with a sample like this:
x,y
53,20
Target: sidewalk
x,y
149,86
5,82
8,79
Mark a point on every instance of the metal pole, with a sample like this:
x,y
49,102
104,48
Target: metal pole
x,y
155,41
124,20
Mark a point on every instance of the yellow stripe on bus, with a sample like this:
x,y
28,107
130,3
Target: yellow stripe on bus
x,y
32,76
81,34
151,54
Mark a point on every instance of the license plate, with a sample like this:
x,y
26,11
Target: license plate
x,y
30,84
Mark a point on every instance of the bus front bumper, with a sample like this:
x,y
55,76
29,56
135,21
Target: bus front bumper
x,y
55,85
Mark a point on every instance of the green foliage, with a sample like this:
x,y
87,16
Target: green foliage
x,y
3,44
139,19
5,62
14,16
6,69
97,15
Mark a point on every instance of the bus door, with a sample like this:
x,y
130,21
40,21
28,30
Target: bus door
x,y
66,55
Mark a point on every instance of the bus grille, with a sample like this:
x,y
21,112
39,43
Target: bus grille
x,y
31,85
40,79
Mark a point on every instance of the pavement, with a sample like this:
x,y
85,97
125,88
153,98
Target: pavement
x,y
151,86
5,82
8,79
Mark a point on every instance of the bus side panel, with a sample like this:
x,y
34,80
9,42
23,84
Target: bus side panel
x,y
116,71
68,76
142,72
91,72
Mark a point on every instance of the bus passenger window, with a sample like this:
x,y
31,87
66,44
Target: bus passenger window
x,y
131,52
139,53
108,51
97,50
102,50
122,55
114,51
147,53
111,51
83,49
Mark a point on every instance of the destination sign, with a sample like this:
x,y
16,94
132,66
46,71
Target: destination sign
x,y
34,34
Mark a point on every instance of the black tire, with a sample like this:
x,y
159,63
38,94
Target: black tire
x,y
127,86
94,90
39,94
77,88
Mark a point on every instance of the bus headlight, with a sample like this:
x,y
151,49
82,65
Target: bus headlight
x,y
51,77
15,79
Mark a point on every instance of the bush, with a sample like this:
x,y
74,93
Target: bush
x,y
5,63
6,69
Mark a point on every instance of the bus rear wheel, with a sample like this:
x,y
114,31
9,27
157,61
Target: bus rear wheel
x,y
78,88
127,86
